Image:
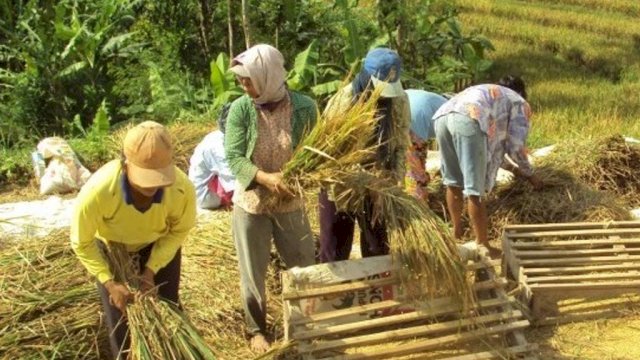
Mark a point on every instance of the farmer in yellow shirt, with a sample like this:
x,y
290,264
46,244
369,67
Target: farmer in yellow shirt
x,y
145,203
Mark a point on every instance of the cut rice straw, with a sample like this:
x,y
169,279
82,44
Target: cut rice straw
x,y
607,163
158,329
47,302
584,179
332,156
335,144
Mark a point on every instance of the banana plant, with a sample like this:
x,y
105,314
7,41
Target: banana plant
x,y
304,68
223,81
307,71
100,125
354,49
89,40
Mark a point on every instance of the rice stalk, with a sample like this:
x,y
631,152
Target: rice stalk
x,y
158,329
338,154
339,142
47,302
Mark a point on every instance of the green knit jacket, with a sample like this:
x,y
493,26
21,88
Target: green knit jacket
x,y
242,131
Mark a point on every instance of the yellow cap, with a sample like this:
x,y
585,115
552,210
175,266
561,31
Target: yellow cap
x,y
149,153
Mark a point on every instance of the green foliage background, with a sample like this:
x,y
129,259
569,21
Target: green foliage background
x,y
67,65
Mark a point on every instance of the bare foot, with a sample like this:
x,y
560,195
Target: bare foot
x,y
259,344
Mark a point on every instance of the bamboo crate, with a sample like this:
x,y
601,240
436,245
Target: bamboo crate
x,y
553,262
355,310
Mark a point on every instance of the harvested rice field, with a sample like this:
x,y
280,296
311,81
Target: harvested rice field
x,y
65,323
580,59
42,319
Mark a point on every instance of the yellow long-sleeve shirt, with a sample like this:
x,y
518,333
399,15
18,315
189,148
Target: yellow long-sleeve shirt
x,y
103,212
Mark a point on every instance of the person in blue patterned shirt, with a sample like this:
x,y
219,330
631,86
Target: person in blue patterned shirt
x,y
475,130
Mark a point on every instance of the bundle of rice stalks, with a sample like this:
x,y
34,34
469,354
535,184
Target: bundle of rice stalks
x,y
563,199
608,163
420,242
338,145
186,136
47,302
158,329
334,153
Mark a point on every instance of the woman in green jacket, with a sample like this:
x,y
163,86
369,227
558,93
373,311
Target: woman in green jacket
x,y
263,128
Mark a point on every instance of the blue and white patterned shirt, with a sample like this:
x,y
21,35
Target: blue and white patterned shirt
x,y
504,116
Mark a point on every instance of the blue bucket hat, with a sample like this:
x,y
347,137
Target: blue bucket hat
x,y
384,66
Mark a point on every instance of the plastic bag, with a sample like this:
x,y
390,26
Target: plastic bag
x,y
64,172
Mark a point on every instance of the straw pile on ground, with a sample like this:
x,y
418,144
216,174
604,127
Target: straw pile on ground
x,y
608,163
48,303
210,287
585,180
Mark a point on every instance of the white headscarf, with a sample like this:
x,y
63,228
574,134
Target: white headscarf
x,y
264,65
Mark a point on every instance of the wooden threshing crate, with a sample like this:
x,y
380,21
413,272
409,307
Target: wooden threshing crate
x,y
553,262
356,310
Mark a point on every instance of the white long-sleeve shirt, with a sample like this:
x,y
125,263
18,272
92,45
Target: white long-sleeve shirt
x,y
207,161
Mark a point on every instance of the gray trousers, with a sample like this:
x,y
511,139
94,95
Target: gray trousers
x,y
252,234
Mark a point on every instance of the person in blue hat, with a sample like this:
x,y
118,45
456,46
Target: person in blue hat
x,y
380,71
423,105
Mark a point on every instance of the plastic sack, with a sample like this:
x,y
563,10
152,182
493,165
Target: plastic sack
x,y
64,172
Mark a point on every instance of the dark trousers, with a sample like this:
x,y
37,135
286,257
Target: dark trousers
x,y
168,281
336,231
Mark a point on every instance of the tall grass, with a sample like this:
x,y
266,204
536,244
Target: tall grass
x,y
158,329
